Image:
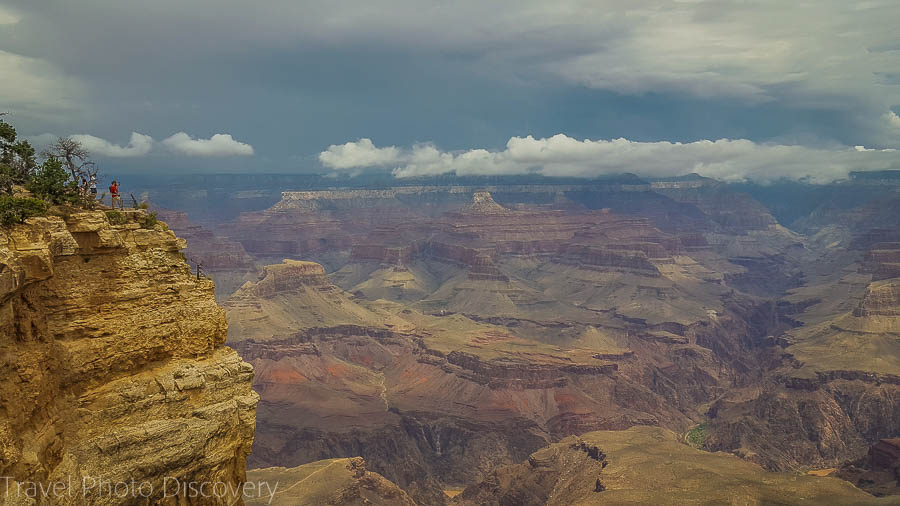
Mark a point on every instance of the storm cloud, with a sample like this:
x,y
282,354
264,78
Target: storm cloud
x,y
291,78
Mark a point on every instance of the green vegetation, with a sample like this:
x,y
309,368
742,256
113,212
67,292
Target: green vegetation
x,y
17,161
149,221
15,210
52,184
60,180
145,220
697,436
116,218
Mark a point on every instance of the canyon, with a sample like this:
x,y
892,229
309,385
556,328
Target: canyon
x,y
496,343
441,332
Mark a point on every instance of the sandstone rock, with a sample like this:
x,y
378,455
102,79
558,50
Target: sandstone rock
x,y
483,203
113,364
878,472
288,276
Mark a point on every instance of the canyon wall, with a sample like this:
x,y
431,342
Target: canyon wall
x,y
478,324
113,366
434,401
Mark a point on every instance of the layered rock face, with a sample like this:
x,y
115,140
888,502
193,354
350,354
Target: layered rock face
x,y
114,366
461,328
432,401
882,299
839,384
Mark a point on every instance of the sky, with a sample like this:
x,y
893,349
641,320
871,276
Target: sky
x,y
731,89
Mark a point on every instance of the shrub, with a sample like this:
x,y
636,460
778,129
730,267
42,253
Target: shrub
x,y
16,158
116,218
51,183
697,436
16,210
7,179
149,220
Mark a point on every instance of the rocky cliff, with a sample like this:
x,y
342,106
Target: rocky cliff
x,y
116,385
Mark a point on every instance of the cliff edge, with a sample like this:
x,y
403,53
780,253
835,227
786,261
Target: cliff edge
x,y
113,368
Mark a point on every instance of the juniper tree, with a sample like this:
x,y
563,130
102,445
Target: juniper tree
x,y
74,157
17,162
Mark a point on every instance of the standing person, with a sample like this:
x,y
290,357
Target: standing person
x,y
114,193
93,186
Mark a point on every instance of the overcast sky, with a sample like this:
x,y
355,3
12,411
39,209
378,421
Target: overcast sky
x,y
728,88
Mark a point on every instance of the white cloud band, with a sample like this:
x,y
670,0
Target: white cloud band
x,y
138,145
361,153
141,144
560,155
217,145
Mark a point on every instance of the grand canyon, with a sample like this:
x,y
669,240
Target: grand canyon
x,y
466,253
444,333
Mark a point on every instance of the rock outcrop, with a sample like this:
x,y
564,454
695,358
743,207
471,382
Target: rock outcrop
x,y
878,472
114,369
648,465
483,203
882,299
286,277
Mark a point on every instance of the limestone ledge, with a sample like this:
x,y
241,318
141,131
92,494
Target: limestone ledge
x,y
112,361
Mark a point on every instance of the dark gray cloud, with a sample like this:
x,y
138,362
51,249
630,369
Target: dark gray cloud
x,y
292,78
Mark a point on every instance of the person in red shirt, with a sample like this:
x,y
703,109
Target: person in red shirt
x,y
114,193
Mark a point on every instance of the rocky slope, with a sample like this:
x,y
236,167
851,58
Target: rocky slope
x,y
648,465
114,366
333,482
